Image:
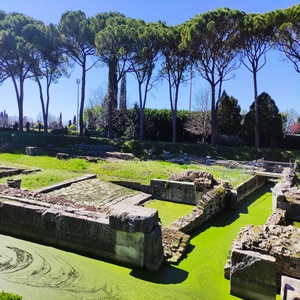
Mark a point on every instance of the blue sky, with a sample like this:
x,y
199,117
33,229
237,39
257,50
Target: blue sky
x,y
278,78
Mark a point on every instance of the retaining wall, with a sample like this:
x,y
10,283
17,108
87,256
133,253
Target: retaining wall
x,y
286,195
262,257
131,236
248,187
176,191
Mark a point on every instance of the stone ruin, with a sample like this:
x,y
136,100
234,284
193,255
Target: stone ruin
x,y
265,260
209,198
260,256
199,178
194,187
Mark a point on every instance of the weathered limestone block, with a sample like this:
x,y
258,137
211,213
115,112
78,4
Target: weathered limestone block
x,y
280,242
191,175
14,183
62,156
291,203
277,196
181,192
91,159
153,249
129,247
202,180
224,184
133,218
120,155
175,243
292,209
252,275
290,288
32,151
278,217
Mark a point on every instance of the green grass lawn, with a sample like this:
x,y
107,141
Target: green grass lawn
x,y
54,170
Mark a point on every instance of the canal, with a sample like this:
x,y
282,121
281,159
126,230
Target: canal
x,y
40,272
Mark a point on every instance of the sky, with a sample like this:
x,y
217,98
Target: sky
x,y
278,77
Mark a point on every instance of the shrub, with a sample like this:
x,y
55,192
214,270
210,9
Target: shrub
x,y
9,296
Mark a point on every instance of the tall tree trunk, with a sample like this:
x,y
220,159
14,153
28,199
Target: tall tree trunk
x,y
112,96
174,126
20,106
213,114
174,115
44,111
142,121
81,127
142,114
256,109
47,104
20,96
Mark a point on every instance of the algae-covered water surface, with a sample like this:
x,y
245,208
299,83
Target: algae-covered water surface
x,y
39,272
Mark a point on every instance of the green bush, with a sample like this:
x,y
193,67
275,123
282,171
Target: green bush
x,y
9,296
72,127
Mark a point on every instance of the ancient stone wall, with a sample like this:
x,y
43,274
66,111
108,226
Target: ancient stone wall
x,y
131,236
281,247
248,187
187,187
210,205
180,192
176,236
286,195
265,259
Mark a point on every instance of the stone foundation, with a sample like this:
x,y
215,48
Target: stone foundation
x,y
248,187
130,235
286,196
176,236
252,275
266,259
180,192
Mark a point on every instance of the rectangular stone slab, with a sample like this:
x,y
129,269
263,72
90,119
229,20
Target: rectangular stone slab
x,y
252,275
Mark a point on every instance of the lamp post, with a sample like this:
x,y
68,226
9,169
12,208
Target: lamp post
x,y
78,83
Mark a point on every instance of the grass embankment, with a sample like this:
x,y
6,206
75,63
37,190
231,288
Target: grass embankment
x,y
54,170
141,149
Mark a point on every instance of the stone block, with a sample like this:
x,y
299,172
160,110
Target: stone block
x,y
227,268
290,288
133,218
252,275
14,183
176,191
64,156
278,217
153,249
32,151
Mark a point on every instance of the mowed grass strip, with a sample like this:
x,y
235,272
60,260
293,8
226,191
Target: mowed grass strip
x,y
54,170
